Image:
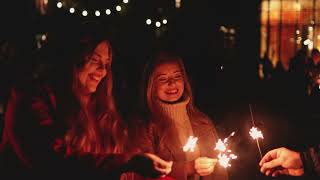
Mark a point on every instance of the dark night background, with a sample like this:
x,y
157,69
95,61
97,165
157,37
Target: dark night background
x,y
223,73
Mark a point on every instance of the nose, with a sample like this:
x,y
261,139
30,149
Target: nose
x,y
103,70
171,82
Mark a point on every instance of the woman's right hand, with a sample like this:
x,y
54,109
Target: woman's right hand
x,y
204,165
163,167
150,165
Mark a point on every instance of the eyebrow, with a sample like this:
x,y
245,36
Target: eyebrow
x,y
161,75
94,53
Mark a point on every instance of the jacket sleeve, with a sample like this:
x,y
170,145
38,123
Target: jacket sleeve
x,y
311,161
32,133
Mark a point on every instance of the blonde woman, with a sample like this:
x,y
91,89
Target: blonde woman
x,y
172,117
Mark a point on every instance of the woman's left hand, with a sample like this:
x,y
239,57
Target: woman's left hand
x,y
204,165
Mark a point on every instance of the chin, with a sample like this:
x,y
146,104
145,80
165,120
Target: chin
x,y
92,89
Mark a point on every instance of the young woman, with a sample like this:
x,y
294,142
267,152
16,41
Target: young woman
x,y
72,128
172,118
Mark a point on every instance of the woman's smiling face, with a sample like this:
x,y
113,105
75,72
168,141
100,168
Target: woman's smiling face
x,y
168,82
95,68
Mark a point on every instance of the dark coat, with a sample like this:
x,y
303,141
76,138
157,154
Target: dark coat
x,y
32,139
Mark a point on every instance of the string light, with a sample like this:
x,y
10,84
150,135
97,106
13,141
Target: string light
x,y
164,21
158,24
59,4
84,13
148,21
43,37
108,11
97,13
71,10
118,8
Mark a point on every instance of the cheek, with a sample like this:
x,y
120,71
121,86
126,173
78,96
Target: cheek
x,y
83,74
160,90
180,86
82,77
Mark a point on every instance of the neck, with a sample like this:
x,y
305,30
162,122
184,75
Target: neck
x,y
175,111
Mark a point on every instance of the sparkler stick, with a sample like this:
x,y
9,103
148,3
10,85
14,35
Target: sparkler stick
x,y
255,133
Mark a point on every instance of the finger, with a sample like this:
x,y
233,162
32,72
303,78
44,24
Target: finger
x,y
159,161
280,171
162,171
204,172
205,160
269,156
203,166
270,165
166,170
268,172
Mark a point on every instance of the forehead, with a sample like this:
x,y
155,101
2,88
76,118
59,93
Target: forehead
x,y
167,67
103,50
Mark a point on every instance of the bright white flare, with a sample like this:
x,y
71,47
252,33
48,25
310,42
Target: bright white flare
x,y
255,133
191,144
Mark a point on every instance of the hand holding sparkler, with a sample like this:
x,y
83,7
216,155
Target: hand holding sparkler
x,y
204,165
282,161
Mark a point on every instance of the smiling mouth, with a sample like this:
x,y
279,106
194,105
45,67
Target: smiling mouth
x,y
95,78
172,92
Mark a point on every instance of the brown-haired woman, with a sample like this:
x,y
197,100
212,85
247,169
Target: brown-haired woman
x,y
72,128
172,118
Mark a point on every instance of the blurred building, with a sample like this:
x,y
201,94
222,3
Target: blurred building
x,y
287,26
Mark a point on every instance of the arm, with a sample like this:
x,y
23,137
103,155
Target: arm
x,y
311,160
34,135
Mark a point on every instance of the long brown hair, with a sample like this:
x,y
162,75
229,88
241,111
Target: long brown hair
x,y
105,131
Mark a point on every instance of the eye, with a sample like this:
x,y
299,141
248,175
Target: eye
x,y
162,79
95,60
178,76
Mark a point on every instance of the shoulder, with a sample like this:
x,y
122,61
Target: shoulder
x,y
202,121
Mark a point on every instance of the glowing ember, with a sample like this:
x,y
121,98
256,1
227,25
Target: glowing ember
x,y
225,154
191,144
224,159
220,146
255,133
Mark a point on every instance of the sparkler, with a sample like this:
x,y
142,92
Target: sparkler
x,y
225,154
191,144
255,133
